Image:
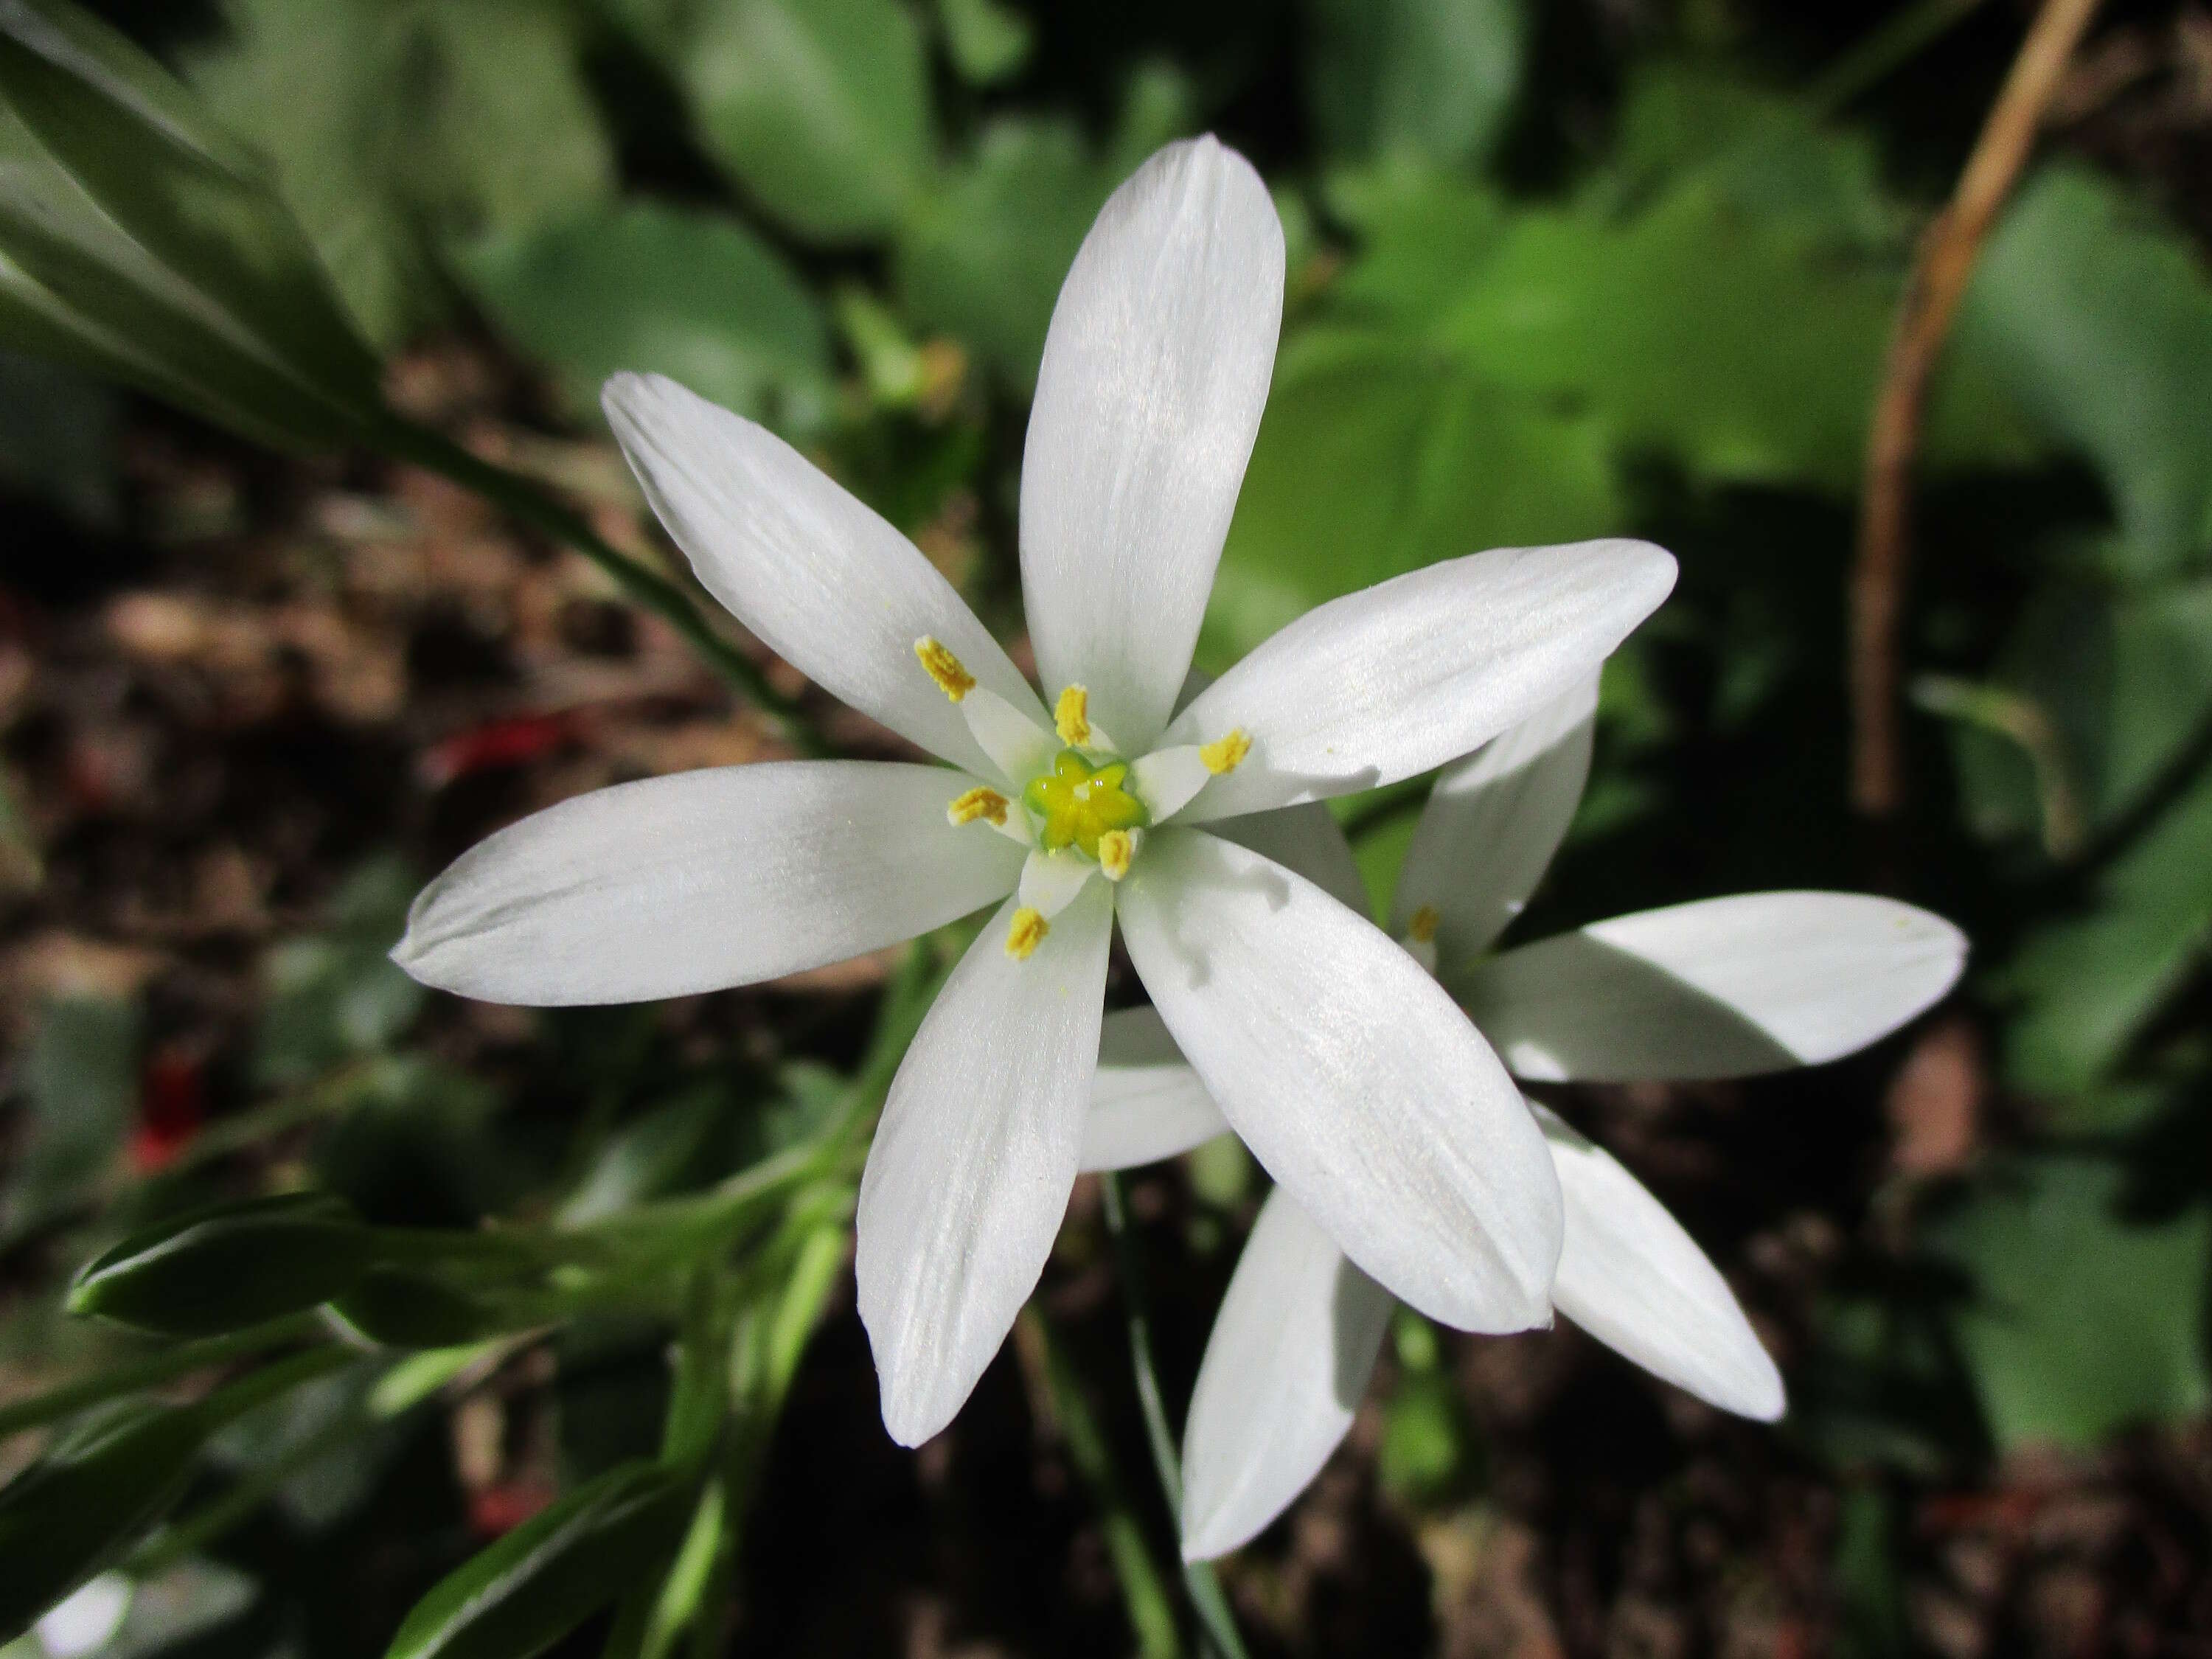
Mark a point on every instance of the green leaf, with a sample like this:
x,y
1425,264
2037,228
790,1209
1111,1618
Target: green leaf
x,y
1431,78
819,108
102,1484
335,995
987,41
1376,457
399,128
158,237
402,1308
2098,318
982,255
139,242
551,1573
2085,1322
226,1267
661,289
2090,984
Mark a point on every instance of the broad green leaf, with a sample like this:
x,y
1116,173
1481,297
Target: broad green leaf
x,y
653,288
156,236
555,1570
2098,318
2084,1321
2161,686
335,994
1376,457
982,255
399,127
79,1081
1431,78
226,1268
102,1483
819,108
2091,984
987,40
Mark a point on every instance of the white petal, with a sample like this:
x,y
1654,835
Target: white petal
x,y
970,1173
826,584
1291,1354
1492,824
1632,1278
1146,1103
1018,745
1351,1076
1050,881
702,880
1419,670
85,1621
1166,779
1147,401
1724,988
1309,840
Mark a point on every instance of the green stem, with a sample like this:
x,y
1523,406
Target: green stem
x,y
1198,1577
643,585
164,1367
1143,1594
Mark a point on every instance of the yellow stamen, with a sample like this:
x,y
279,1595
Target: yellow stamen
x,y
977,803
951,674
1115,848
1422,929
1226,754
1026,933
1072,717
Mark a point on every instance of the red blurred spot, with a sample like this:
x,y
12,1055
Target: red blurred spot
x,y
172,1107
501,743
498,1509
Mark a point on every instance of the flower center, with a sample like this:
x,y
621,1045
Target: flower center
x,y
1078,803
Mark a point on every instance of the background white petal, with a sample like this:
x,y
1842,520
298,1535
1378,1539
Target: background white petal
x,y
969,1172
1309,840
826,584
1146,1103
1148,398
700,880
1492,824
1722,987
1419,670
1290,1356
1351,1076
1632,1278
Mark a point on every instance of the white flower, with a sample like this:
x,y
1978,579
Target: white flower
x,y
1726,987
1316,1034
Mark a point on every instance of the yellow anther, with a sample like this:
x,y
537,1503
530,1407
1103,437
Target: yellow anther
x,y
951,674
977,803
1226,754
1115,848
1422,927
1026,933
1070,717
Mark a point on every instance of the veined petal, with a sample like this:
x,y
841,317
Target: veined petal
x,y
1492,824
1051,881
1306,839
1632,1278
970,1173
1722,987
826,584
1351,1076
1146,1103
1419,670
1148,398
1291,1354
702,880
1016,744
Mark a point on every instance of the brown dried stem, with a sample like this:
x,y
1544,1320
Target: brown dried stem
x,y
1941,266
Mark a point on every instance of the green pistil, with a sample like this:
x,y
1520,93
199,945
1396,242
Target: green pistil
x,y
1076,803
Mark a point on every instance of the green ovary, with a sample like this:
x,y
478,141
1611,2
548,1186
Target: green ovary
x,y
1076,803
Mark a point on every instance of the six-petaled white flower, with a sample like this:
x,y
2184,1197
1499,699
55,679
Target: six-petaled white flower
x,y
1726,988
1352,1076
